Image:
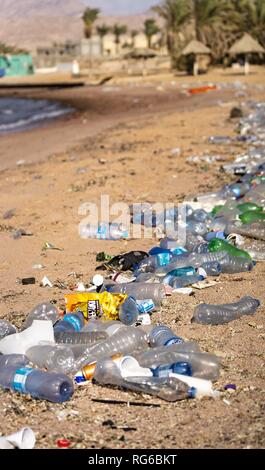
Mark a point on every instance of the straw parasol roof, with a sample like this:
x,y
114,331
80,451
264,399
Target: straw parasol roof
x,y
141,53
196,47
246,45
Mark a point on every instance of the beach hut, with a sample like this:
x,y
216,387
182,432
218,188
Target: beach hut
x,y
198,56
245,46
19,65
142,54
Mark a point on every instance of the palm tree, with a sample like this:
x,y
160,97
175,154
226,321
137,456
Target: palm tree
x,y
212,15
118,31
252,17
102,31
176,13
150,29
134,33
89,17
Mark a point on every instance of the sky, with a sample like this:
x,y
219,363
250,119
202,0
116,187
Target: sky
x,y
122,7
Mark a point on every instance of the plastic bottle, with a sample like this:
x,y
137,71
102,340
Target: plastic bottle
x,y
104,231
212,268
219,314
49,386
70,322
44,311
222,245
128,311
203,365
233,264
125,340
13,360
6,329
53,357
169,389
162,335
141,291
194,259
79,338
252,230
184,281
252,216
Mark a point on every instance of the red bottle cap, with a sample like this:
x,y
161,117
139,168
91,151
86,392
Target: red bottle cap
x,y
63,443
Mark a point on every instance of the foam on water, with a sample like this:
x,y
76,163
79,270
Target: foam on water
x,y
19,114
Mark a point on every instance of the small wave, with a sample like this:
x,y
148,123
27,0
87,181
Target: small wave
x,y
18,114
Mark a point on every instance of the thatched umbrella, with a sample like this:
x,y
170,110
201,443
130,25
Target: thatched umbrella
x,y
196,48
246,45
141,53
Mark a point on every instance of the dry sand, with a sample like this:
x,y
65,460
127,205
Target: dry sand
x,y
122,139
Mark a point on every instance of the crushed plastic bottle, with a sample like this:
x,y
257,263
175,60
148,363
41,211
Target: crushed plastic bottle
x,y
219,314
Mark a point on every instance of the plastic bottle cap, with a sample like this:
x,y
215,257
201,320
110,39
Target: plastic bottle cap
x,y
98,280
63,443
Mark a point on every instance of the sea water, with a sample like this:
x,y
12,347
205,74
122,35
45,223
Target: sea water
x,y
19,114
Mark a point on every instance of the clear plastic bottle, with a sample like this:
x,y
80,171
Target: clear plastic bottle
x,y
232,265
6,329
224,313
183,368
49,386
79,338
13,360
252,230
162,335
70,322
184,281
203,365
53,357
125,340
128,311
104,231
194,259
169,389
44,311
142,291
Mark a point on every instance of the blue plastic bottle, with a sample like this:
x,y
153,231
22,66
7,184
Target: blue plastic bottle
x,y
70,322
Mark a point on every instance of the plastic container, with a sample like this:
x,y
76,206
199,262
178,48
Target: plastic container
x,y
104,231
141,291
125,340
53,357
128,311
203,365
80,338
44,311
6,329
49,386
162,335
13,360
224,313
169,389
70,322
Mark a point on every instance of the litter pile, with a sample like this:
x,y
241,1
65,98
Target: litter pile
x,y
106,334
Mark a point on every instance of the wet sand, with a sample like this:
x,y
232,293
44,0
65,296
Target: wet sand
x,y
129,157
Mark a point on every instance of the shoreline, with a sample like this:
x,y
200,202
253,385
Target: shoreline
x,y
95,111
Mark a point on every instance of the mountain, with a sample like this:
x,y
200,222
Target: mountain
x,y
32,23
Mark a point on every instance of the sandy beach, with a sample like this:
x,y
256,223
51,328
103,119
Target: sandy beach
x,y
119,142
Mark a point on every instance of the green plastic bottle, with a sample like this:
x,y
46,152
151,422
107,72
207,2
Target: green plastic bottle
x,y
249,206
252,216
221,245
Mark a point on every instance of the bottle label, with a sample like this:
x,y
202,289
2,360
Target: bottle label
x,y
74,320
20,378
145,306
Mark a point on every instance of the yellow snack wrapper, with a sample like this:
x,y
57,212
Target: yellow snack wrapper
x,y
93,304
